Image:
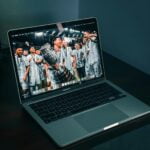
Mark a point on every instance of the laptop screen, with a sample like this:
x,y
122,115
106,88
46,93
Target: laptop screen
x,y
51,57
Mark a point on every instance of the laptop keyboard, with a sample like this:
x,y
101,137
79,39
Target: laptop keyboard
x,y
75,102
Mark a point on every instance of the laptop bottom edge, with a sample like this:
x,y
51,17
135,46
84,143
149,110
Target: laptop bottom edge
x,y
79,126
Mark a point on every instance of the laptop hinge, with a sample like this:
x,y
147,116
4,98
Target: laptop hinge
x,y
64,92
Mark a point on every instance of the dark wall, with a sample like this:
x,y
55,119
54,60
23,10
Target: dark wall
x,y
21,13
125,25
125,28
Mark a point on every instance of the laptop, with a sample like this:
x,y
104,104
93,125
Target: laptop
x,y
61,81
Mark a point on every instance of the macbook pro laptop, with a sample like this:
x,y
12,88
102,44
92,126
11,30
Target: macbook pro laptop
x,y
62,84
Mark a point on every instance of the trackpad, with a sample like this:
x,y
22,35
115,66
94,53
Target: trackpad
x,y
100,117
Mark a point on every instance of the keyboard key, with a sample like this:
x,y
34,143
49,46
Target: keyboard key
x,y
75,102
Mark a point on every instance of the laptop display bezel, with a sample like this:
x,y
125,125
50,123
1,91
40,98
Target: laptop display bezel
x,y
62,90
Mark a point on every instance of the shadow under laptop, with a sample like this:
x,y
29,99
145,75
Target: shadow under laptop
x,y
106,140
114,137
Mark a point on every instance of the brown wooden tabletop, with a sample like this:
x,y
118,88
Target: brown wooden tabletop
x,y
18,131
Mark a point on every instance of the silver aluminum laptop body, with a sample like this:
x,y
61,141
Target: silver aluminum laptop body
x,y
81,125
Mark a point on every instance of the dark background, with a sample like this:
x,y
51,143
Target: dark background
x,y
125,31
124,25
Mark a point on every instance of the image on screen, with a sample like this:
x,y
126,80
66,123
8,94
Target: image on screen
x,y
54,58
